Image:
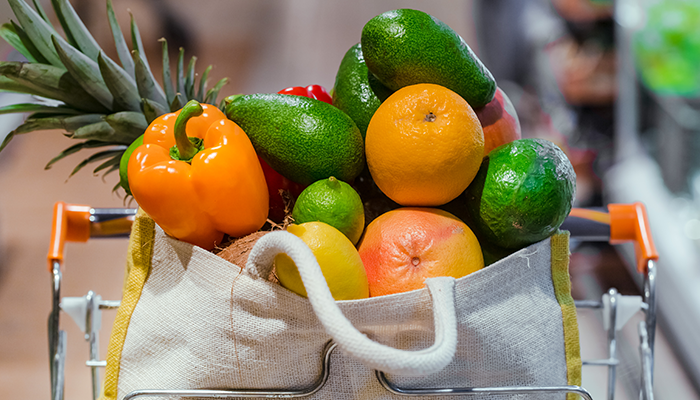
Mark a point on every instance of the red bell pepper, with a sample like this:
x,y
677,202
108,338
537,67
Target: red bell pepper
x,y
317,92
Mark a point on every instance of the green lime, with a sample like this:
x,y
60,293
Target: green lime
x,y
124,164
334,202
522,193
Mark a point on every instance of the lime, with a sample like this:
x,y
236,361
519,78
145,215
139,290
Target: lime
x,y
338,258
124,164
334,202
522,193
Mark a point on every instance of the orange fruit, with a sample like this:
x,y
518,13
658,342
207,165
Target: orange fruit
x,y
403,247
424,145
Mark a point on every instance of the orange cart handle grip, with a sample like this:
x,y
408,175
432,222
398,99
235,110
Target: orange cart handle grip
x,y
71,222
629,223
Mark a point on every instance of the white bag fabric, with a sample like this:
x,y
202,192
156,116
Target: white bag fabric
x,y
191,320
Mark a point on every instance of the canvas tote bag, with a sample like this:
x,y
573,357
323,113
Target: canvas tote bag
x,y
191,320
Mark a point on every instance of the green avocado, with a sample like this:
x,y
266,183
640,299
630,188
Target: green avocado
x,y
405,47
522,193
303,139
357,91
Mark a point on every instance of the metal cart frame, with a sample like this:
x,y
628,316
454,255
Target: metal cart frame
x,y
620,224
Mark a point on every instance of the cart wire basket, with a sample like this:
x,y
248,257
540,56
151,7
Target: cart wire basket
x,y
620,223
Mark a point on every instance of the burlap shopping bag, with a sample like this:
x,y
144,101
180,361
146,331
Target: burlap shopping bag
x,y
191,320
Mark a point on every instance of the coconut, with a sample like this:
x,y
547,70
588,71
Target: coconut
x,y
236,250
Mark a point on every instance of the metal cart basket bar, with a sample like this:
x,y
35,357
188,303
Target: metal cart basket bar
x,y
620,223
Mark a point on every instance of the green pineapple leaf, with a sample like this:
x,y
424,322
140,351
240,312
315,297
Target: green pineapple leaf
x,y
38,31
176,104
100,130
119,42
108,164
138,47
152,110
147,86
203,84
7,140
79,36
180,76
85,71
61,20
98,101
28,45
37,108
47,81
68,123
189,79
88,144
130,125
119,84
96,157
40,10
9,33
136,42
167,79
213,93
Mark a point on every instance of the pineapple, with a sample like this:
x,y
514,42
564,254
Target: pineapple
x,y
80,90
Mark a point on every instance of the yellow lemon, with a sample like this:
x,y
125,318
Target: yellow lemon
x,y
338,258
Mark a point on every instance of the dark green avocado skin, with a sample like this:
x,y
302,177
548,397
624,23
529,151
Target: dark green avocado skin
x,y
357,91
303,139
522,193
406,47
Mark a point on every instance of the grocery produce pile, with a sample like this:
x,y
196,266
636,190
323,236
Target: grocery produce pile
x,y
412,167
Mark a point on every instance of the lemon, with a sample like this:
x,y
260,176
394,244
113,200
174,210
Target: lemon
x,y
338,258
334,202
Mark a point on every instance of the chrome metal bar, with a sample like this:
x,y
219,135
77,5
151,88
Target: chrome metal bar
x,y
586,230
96,363
109,304
111,222
59,366
246,393
91,335
55,359
647,390
612,343
107,214
479,390
588,304
606,362
650,312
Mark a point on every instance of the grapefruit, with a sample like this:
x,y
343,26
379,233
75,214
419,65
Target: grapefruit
x,y
403,247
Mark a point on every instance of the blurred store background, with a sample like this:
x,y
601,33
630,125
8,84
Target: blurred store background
x,y
615,83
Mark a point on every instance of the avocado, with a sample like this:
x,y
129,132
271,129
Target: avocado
x,y
405,47
357,91
303,139
522,193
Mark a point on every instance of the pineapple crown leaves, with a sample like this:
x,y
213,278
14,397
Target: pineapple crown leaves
x,y
84,92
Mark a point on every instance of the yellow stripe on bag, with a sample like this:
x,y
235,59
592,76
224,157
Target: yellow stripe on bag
x,y
138,263
562,289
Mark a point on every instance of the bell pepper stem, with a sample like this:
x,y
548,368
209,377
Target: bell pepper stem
x,y
186,148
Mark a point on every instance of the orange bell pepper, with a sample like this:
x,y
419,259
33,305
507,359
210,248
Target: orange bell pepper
x,y
198,176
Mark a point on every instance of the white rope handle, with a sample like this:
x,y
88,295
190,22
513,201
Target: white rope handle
x,y
353,342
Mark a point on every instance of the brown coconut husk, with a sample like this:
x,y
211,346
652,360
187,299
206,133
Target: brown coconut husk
x,y
237,250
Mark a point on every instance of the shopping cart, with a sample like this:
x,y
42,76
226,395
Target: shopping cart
x,y
621,223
